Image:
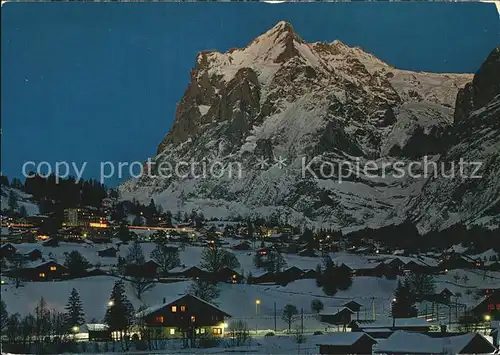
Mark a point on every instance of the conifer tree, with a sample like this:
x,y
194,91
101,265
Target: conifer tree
x,y
120,311
75,316
403,305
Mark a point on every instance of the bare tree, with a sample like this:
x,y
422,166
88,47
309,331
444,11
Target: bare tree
x,y
204,289
289,314
214,258
166,257
239,332
140,285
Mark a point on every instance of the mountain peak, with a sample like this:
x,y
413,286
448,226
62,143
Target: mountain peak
x,y
279,43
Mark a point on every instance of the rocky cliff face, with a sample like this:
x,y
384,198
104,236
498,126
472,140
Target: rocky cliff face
x,y
474,138
269,109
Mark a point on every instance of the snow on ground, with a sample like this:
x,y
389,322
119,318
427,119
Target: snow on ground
x,y
95,291
23,199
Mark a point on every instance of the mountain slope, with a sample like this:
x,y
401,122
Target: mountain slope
x,y
474,138
269,109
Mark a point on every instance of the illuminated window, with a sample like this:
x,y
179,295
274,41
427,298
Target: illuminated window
x,y
217,331
159,319
53,268
183,308
174,309
202,330
197,331
172,331
41,274
193,318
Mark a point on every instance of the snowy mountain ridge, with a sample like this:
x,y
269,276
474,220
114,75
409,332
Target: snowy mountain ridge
x,y
282,99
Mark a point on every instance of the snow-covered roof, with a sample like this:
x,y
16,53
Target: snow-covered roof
x,y
417,343
398,322
39,263
331,311
153,309
95,327
342,338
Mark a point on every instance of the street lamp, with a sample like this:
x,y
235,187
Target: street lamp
x,y
75,329
393,315
487,317
111,303
257,304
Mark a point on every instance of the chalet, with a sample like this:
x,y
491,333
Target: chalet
x,y
7,250
446,294
383,328
307,251
108,252
33,255
309,274
43,271
192,272
488,306
336,315
402,342
51,242
366,269
353,306
242,246
98,332
457,261
148,269
395,264
346,343
291,274
228,275
183,317
266,277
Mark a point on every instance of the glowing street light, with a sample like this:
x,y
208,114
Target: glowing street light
x,y
111,303
75,329
487,317
257,304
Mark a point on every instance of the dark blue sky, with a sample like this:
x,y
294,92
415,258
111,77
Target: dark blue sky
x,y
100,82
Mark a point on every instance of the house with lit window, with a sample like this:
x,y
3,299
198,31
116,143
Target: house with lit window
x,y
487,307
42,271
187,317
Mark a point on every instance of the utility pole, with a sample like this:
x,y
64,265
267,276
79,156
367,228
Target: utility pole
x,y
302,320
373,309
275,316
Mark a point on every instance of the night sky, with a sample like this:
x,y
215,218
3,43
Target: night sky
x,y
100,81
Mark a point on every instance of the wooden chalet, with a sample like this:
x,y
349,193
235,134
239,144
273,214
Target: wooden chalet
x,y
265,277
488,306
51,242
411,343
148,270
7,251
98,332
33,255
241,246
384,328
43,271
183,317
346,343
229,275
336,315
291,274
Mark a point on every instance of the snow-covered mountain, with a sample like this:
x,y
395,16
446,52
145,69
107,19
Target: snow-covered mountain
x,y
279,104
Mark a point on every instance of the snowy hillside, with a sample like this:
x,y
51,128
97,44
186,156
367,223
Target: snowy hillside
x,y
280,103
22,199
